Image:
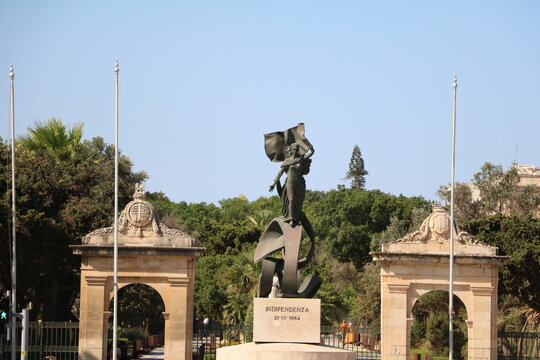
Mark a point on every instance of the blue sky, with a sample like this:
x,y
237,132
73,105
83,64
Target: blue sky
x,y
202,81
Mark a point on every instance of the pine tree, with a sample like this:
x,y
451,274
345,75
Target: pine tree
x,y
356,171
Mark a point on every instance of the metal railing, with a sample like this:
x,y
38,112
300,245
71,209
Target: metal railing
x,y
207,339
365,342
60,340
50,340
518,346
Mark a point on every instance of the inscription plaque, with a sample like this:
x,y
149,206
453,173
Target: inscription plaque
x,y
287,320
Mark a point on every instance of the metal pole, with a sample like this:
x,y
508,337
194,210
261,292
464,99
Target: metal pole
x,y
452,231
13,218
8,337
115,282
25,333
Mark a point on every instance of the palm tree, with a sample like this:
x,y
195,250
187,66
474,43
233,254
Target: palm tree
x,y
241,279
63,143
513,313
261,218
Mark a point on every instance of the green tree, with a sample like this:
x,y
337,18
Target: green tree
x,y
271,204
515,316
437,331
235,209
357,172
496,186
53,136
227,238
347,219
334,292
516,236
497,191
466,207
190,215
400,227
225,286
241,280
210,296
262,218
59,200
430,328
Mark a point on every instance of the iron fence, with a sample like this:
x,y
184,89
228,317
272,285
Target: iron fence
x,y
47,340
365,342
207,339
59,341
518,346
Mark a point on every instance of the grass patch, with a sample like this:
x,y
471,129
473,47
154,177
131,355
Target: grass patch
x,y
425,353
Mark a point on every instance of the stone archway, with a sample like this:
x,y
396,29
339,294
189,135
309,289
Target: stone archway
x,y
141,310
148,253
419,263
428,312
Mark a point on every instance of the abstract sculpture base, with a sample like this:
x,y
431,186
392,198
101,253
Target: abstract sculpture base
x,y
283,351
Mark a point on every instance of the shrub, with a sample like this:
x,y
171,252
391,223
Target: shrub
x,y
418,333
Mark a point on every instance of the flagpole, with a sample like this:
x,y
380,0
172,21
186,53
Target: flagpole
x,y
452,230
13,217
115,281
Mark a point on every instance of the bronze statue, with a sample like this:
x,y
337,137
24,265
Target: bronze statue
x,y
285,233
292,194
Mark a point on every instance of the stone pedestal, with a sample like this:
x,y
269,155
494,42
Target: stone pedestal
x,y
288,329
287,320
283,351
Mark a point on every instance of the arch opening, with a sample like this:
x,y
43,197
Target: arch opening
x,y
429,329
141,324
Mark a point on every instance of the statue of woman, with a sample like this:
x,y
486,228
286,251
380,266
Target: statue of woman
x,y
293,192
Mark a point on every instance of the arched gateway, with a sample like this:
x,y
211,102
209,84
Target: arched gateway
x,y
419,263
148,253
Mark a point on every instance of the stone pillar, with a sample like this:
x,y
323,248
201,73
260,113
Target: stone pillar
x,y
179,322
470,342
93,318
105,333
483,332
394,319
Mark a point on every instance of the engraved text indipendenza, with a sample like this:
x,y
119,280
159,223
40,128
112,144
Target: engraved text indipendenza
x,y
286,309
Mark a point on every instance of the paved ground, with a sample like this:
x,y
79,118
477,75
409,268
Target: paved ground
x,y
159,353
156,354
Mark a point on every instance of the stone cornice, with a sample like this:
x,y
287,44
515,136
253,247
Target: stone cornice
x,y
108,250
178,281
438,258
398,288
96,280
482,291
